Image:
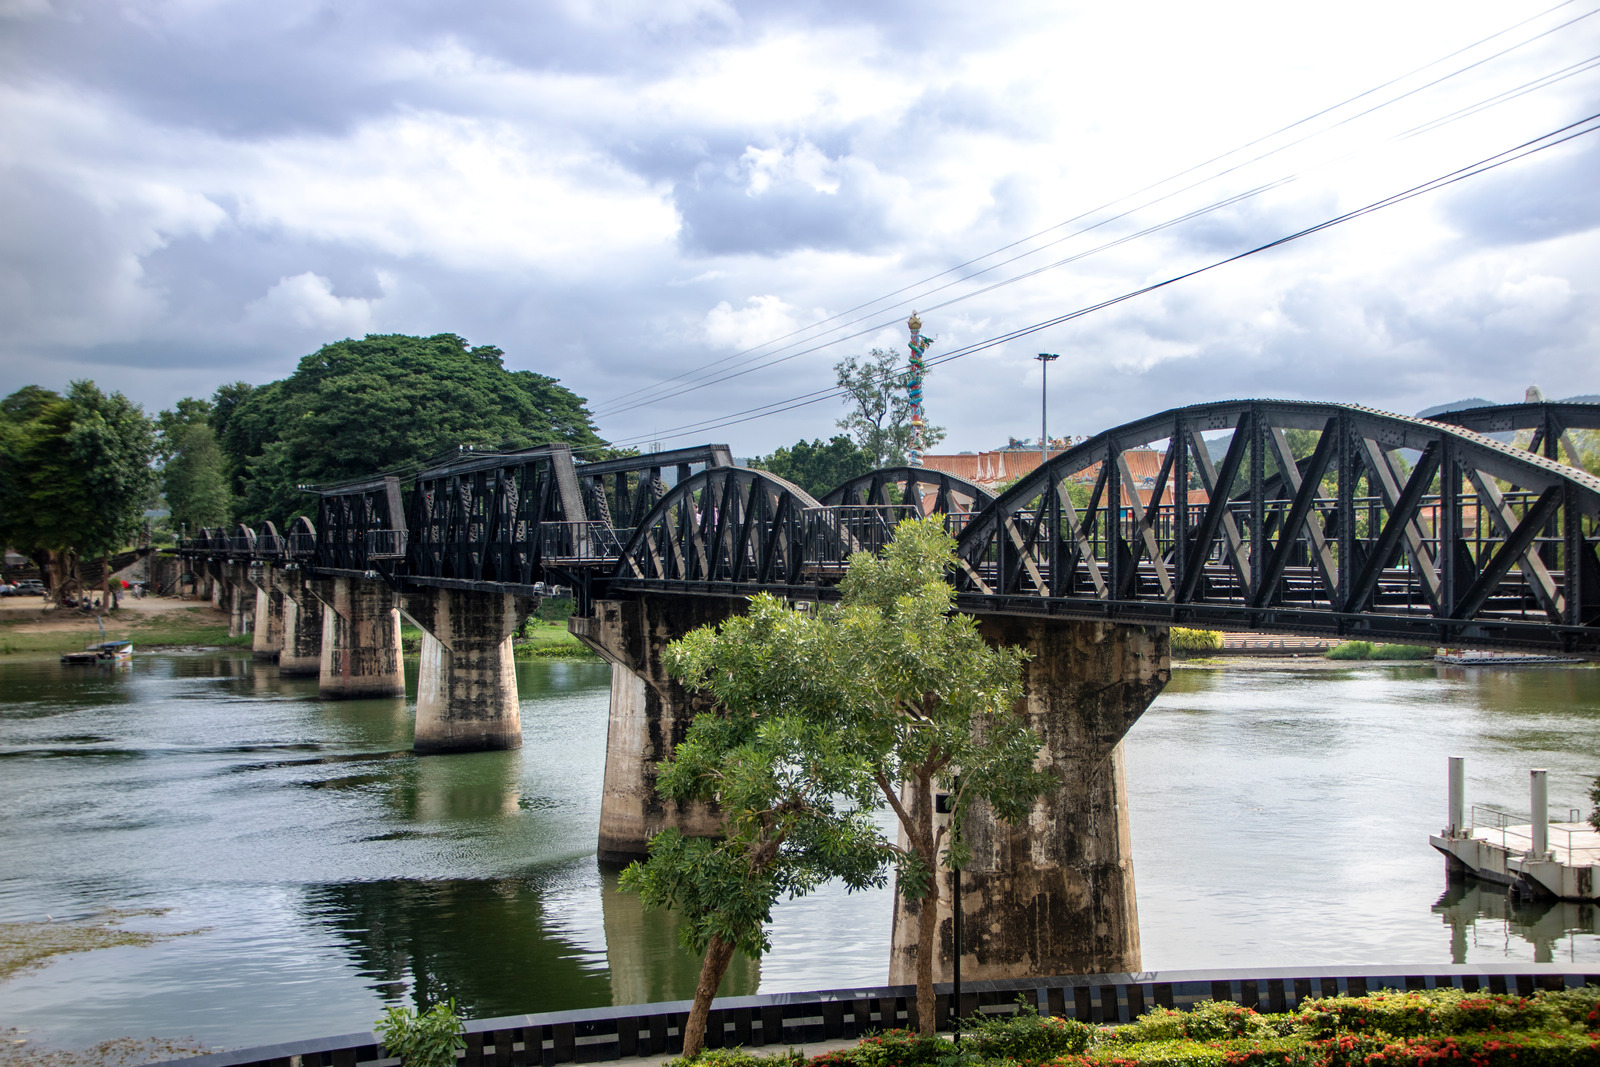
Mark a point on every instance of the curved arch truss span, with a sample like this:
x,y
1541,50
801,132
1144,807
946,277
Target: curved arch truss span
x,y
725,525
1299,516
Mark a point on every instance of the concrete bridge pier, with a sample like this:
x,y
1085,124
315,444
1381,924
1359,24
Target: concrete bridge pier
x,y
267,640
1054,894
236,596
467,678
300,625
360,639
650,713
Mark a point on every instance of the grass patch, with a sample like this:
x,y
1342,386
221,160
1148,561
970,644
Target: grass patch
x,y
545,639
1366,650
184,628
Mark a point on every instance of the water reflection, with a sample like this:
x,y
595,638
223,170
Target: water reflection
x,y
502,946
648,963
1481,915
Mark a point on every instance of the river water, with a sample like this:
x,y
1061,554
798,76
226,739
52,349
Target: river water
x,y
318,870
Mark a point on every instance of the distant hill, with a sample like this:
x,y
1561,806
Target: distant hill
x,y
1586,398
1455,405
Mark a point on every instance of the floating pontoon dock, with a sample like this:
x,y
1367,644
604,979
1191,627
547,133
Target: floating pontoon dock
x,y
1548,859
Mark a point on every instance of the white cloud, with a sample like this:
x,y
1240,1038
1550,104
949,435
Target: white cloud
x,y
761,319
307,301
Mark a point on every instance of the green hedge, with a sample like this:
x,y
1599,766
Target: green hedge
x,y
1386,1029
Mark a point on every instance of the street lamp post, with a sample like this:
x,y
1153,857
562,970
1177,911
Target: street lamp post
x,y
1045,359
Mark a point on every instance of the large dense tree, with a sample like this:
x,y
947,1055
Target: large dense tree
x,y
356,408
75,476
817,467
194,474
879,415
898,696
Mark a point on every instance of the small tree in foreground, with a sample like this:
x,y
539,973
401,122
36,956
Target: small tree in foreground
x,y
794,816
889,689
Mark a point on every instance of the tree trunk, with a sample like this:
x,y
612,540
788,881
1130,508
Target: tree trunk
x,y
928,912
718,955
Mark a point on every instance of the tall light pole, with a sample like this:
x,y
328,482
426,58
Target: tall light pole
x,y
1045,359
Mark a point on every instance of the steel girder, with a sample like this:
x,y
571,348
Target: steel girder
x,y
361,526
724,525
1551,423
1350,536
912,486
498,518
621,492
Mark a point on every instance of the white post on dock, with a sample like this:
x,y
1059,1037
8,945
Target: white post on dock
x,y
1458,792
1539,788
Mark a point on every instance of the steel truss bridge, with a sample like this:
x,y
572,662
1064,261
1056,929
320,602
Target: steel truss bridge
x,y
1287,516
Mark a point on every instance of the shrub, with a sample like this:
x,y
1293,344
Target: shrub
x,y
1594,798
1189,642
1026,1037
427,1040
1351,650
894,1048
1406,652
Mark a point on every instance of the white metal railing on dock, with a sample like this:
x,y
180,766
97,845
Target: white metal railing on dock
x,y
1574,842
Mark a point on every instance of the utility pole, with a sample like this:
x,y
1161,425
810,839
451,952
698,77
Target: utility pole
x,y
1045,359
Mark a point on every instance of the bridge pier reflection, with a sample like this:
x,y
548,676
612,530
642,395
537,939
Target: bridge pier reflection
x,y
467,678
360,639
650,714
1055,894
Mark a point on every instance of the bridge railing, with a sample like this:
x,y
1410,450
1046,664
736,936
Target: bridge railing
x,y
833,534
300,545
385,544
581,543
268,546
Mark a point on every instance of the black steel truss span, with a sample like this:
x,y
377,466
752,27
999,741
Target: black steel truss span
x,y
1273,515
1302,517
725,525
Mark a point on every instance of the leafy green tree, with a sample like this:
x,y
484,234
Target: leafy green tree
x,y
896,695
356,408
879,417
794,814
194,473
75,476
817,467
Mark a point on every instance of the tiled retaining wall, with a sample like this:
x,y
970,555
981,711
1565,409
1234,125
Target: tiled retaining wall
x,y
598,1034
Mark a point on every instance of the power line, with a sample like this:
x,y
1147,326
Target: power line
x,y
1571,131
608,409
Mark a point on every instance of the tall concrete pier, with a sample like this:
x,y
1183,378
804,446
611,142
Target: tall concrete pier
x,y
267,638
650,714
1054,894
301,624
360,639
467,678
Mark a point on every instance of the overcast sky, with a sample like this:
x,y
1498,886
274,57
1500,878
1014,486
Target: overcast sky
x,y
617,193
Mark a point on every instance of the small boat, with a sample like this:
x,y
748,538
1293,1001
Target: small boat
x,y
101,652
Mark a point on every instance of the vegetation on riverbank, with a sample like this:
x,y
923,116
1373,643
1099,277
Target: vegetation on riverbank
x,y
1362,650
1385,1029
1187,642
182,628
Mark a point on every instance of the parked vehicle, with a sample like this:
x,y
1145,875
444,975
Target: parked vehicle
x,y
29,587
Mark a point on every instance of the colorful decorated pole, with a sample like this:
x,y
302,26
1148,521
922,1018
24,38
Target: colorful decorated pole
x,y
919,345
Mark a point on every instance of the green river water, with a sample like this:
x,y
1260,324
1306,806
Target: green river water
x,y
1280,817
